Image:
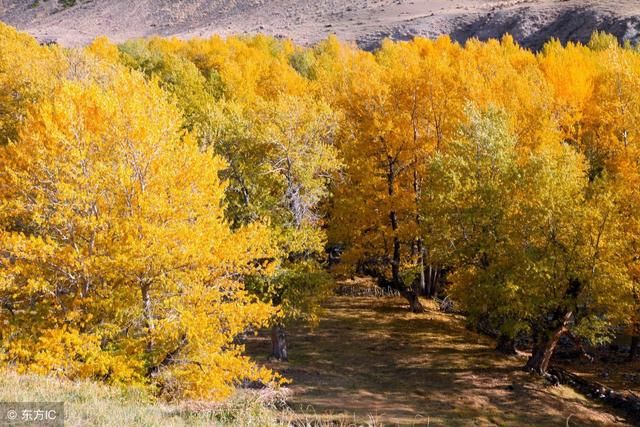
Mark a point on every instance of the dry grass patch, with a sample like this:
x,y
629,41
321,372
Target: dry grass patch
x,y
92,404
370,358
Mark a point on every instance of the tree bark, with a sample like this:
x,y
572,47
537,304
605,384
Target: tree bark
x,y
279,343
147,313
421,285
395,260
545,341
396,281
414,302
427,291
422,282
544,345
432,282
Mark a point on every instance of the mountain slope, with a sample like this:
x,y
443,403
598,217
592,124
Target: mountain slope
x,y
365,21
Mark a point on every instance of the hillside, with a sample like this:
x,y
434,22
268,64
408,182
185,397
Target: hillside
x,y
75,22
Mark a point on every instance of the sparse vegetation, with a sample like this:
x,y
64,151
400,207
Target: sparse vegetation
x,y
67,3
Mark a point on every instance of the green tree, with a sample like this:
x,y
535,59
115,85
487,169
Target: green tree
x,y
194,93
281,159
532,242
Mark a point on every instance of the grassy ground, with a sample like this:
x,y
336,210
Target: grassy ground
x,y
369,361
92,404
372,360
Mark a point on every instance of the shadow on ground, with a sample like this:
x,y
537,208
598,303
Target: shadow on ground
x,y
372,359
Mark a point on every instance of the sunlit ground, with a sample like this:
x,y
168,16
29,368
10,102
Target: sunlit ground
x,y
374,361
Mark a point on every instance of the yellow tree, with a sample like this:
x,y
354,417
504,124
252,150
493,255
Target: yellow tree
x,y
193,91
117,263
501,73
28,72
399,106
371,213
425,86
570,71
611,140
246,103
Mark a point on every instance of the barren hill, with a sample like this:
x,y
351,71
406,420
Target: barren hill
x,y
74,22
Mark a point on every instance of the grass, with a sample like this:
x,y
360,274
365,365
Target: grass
x,y
92,404
88,403
371,359
369,362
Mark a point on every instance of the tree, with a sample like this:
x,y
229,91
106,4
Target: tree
x,y
117,263
370,214
610,140
28,72
465,205
194,92
299,133
400,105
425,84
244,100
281,158
533,243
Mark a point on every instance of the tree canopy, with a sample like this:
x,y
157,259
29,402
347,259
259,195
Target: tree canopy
x,y
162,197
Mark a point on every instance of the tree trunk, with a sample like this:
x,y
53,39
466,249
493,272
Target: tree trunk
x,y
279,343
421,285
506,344
633,350
544,345
414,302
148,314
422,282
395,261
434,276
541,354
396,280
545,341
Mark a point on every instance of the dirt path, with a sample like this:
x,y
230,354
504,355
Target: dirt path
x,y
373,360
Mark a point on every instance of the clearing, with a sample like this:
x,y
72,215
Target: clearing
x,y
372,361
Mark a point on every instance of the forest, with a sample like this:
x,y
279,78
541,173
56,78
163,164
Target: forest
x,y
161,199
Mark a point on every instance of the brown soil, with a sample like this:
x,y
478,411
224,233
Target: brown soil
x,y
373,361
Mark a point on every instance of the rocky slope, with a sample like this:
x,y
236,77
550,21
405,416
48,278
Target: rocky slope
x,y
75,22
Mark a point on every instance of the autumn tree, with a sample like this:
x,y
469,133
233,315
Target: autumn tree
x,y
246,103
367,205
117,263
28,72
399,106
193,91
425,84
610,139
281,158
533,242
